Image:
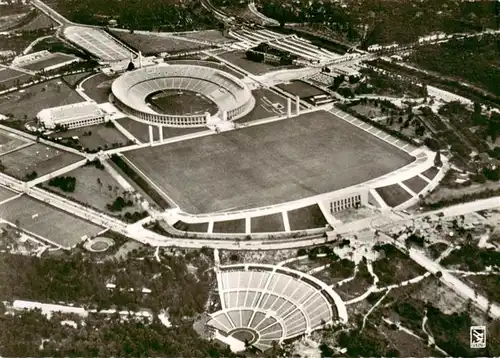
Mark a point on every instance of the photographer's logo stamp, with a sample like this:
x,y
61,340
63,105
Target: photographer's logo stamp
x,y
478,337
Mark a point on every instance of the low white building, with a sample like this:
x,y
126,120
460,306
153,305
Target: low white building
x,y
71,116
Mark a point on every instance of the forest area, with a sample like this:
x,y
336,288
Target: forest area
x,y
474,60
159,15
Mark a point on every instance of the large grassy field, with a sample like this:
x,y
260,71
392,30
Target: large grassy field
x,y
238,58
94,187
393,195
101,136
46,221
277,162
267,104
151,44
39,158
301,89
98,87
9,77
9,142
28,102
6,193
209,63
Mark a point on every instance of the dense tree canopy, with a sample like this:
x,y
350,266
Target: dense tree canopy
x,y
475,60
166,15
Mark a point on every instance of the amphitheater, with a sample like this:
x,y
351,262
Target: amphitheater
x,y
262,304
231,96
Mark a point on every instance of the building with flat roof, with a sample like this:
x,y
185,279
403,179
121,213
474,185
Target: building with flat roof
x,y
72,115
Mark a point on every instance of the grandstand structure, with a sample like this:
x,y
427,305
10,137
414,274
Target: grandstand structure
x,y
289,43
262,304
98,42
232,97
71,116
43,61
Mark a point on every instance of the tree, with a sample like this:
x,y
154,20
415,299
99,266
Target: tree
x,y
477,108
437,159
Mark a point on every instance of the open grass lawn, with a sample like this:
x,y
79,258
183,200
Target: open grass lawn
x,y
40,21
12,18
430,173
9,78
98,87
152,43
101,137
140,130
6,193
309,217
46,221
393,195
72,80
267,223
39,158
212,64
267,164
239,59
27,102
302,89
197,227
230,226
416,184
9,142
214,36
267,104
94,187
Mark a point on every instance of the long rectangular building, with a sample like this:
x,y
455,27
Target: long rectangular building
x,y
71,116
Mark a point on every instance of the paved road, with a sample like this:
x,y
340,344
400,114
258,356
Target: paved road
x,y
462,289
51,13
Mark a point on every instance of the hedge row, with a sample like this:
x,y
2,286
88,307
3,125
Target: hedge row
x,y
139,180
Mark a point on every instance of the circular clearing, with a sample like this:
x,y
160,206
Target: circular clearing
x,y
99,244
244,335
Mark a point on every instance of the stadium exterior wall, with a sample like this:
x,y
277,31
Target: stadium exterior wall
x,y
243,106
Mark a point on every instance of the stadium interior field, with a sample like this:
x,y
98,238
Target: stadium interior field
x,y
180,102
267,164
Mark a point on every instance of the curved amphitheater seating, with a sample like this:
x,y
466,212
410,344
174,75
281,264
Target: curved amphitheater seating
x,y
276,304
226,91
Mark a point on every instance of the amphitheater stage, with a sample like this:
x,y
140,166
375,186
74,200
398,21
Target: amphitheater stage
x,y
267,164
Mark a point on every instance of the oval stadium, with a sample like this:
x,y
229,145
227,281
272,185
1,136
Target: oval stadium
x,y
150,94
262,304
